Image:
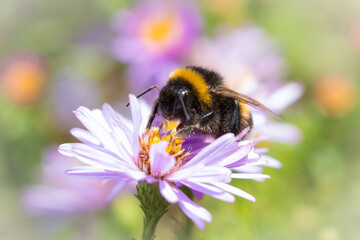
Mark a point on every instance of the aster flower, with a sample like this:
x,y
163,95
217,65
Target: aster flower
x,y
154,37
117,149
251,64
155,30
62,195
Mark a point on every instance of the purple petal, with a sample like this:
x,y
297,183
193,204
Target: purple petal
x,y
211,174
271,162
243,133
237,157
214,151
201,187
136,118
91,172
213,191
250,158
117,122
235,191
248,169
115,190
85,136
121,133
161,162
197,195
262,150
224,196
280,132
249,176
151,179
259,119
285,96
183,173
94,156
194,211
126,123
168,192
201,174
96,124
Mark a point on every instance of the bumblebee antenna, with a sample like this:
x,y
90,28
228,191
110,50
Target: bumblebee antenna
x,y
183,105
146,91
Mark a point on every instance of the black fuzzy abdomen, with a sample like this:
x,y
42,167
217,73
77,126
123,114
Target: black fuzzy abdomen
x,y
228,117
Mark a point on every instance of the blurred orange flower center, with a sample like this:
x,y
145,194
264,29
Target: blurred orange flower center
x,y
23,82
159,32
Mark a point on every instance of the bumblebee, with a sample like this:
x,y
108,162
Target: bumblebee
x,y
197,98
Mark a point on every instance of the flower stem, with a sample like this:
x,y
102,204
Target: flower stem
x,y
153,205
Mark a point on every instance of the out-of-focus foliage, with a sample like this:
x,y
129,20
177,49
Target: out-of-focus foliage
x,y
314,196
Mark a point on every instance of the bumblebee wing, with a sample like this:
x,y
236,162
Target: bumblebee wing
x,y
247,100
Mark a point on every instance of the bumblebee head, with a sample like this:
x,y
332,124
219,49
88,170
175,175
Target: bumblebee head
x,y
175,102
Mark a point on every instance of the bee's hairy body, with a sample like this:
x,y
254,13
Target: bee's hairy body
x,y
198,99
208,110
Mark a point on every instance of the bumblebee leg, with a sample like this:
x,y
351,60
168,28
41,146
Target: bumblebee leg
x,y
185,132
180,126
235,120
153,114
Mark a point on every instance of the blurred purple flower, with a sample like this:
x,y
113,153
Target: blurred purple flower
x,y
251,64
59,194
68,93
245,57
117,149
154,38
278,101
143,76
155,30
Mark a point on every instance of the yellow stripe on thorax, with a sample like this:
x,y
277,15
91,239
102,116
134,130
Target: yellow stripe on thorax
x,y
196,80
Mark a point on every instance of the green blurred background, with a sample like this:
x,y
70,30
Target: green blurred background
x,y
315,195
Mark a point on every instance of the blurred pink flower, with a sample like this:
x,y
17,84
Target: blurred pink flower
x,y
245,57
155,30
278,100
154,38
60,194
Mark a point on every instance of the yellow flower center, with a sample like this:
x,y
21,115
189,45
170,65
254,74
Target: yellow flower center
x,y
155,135
159,32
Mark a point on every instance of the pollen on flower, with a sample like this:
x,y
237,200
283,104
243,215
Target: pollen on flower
x,y
156,135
